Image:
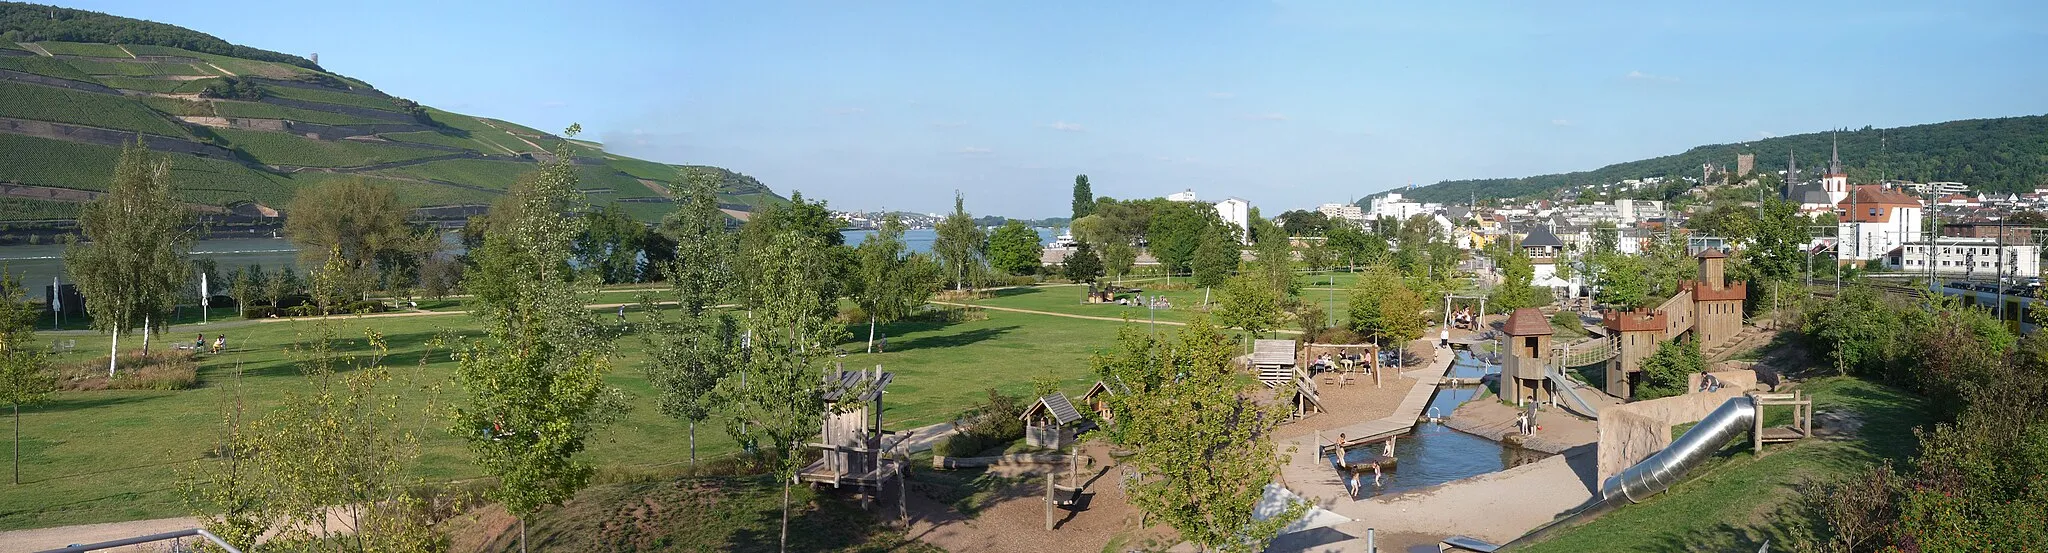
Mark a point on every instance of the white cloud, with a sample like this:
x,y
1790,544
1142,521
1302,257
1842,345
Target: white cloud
x,y
1267,117
1562,122
1065,126
974,151
1221,95
1641,76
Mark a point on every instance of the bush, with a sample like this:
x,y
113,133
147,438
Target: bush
x,y
992,424
157,370
1568,322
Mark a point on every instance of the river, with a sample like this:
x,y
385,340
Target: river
x,y
920,240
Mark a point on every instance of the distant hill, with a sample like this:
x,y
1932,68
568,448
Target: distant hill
x,y
247,127
2005,154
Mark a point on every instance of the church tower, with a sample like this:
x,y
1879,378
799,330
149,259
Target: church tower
x,y
1836,181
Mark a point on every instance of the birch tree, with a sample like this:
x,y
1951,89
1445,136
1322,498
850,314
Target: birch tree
x,y
133,262
695,347
891,284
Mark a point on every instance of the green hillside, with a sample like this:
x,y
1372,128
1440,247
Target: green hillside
x,y
2005,154
248,125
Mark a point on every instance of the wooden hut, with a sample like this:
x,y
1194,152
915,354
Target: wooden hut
x,y
1049,422
851,440
1097,400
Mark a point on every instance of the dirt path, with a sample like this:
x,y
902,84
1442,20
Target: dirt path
x,y
1071,315
124,50
515,136
37,48
27,541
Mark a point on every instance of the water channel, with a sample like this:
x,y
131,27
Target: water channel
x,y
1434,454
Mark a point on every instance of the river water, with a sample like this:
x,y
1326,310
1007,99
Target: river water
x,y
920,240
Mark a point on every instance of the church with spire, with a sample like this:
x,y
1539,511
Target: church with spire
x,y
1815,198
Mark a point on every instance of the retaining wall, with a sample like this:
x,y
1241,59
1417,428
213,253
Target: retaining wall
x,y
1634,431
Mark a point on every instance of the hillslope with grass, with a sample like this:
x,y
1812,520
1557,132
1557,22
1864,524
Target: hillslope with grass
x,y
249,126
2007,154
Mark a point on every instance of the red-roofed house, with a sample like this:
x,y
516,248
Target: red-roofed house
x,y
1875,220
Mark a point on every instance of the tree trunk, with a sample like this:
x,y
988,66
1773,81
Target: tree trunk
x,y
145,334
871,333
17,444
785,516
522,534
113,353
693,444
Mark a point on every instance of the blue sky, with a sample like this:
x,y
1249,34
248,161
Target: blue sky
x,y
1286,103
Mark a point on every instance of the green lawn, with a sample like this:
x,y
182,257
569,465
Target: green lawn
x,y
279,148
1185,303
42,103
48,67
84,49
115,455
259,110
1738,500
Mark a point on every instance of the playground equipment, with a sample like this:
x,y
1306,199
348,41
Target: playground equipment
x,y
1657,473
1048,422
1275,363
177,545
1708,309
851,448
1067,495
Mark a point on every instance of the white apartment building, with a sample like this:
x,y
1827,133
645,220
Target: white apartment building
x,y
1238,212
1972,257
1182,196
1393,205
1348,212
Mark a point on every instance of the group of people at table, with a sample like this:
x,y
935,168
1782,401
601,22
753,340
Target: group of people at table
x,y
1345,359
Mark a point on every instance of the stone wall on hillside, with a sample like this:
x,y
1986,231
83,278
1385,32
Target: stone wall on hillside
x,y
32,78
109,137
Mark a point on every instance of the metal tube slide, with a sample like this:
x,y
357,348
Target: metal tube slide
x,y
1657,473
1576,403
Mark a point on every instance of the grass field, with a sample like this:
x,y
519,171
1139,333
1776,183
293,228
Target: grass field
x,y
278,148
44,103
115,455
84,49
1738,500
259,110
48,67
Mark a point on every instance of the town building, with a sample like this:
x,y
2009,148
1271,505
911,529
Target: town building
x,y
1237,211
1974,258
1874,221
1182,196
1393,205
1347,212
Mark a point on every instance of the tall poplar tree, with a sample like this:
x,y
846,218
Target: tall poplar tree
x,y
1084,197
133,263
535,382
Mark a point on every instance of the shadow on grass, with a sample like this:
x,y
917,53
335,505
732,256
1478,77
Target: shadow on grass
x,y
952,340
75,403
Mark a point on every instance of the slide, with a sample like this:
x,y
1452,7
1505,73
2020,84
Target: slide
x,y
1652,475
1572,400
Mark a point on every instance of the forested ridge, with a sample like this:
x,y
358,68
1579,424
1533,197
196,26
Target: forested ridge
x,y
2008,154
23,22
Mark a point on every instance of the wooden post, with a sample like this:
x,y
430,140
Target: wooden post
x,y
1048,500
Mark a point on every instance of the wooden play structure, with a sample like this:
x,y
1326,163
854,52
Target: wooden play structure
x,y
1802,419
1274,363
1709,310
1097,400
1342,368
852,454
1069,495
1049,422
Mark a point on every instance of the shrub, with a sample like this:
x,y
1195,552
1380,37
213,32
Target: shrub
x,y
994,423
1567,320
157,370
233,89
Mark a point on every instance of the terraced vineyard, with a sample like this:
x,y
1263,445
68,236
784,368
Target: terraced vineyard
x,y
67,107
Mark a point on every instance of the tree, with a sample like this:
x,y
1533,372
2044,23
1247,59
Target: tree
x,y
1084,198
1666,372
1118,257
893,284
277,286
535,381
132,266
1304,223
1316,254
244,286
1385,310
1515,291
1214,257
774,402
1176,230
691,352
1250,303
959,244
1622,282
1357,247
341,444
1204,445
1082,265
363,224
24,377
611,244
1015,249
812,219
